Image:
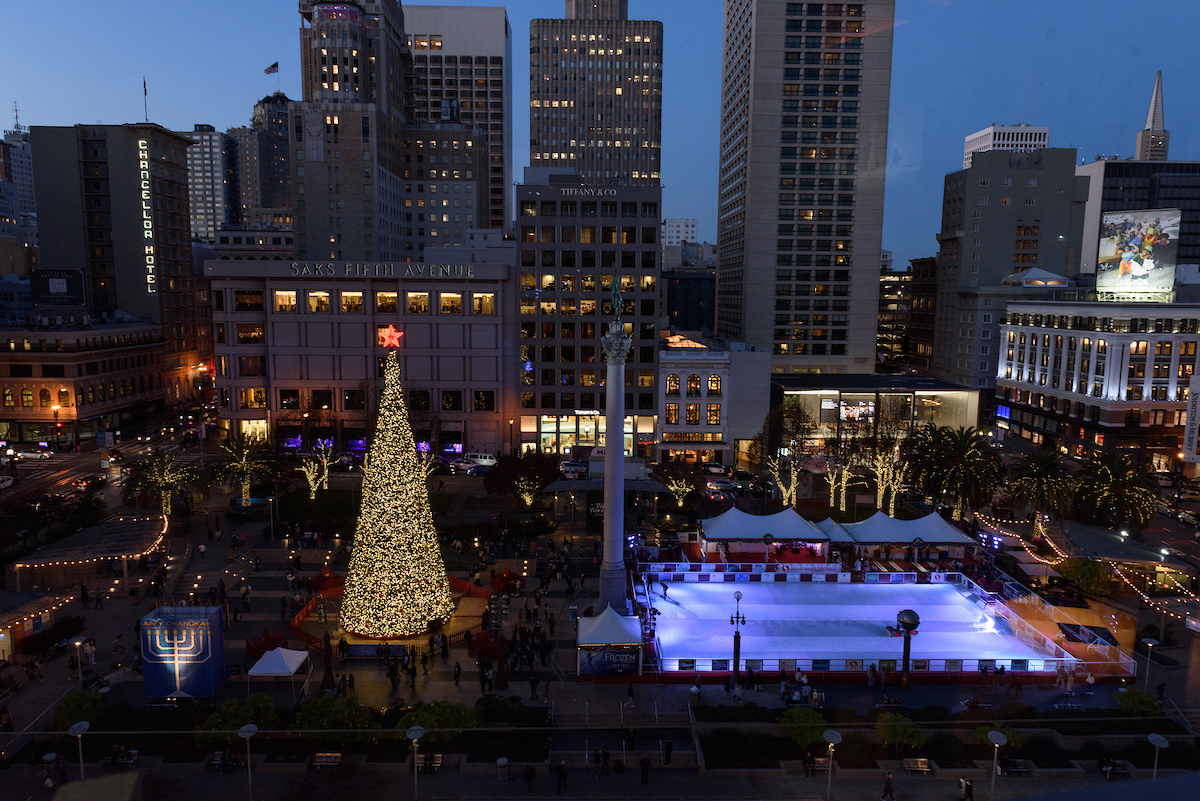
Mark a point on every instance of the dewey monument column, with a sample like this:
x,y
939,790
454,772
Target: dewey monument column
x,y
612,571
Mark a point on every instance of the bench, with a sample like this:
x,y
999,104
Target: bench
x,y
433,764
920,765
1014,766
327,760
822,763
233,670
1120,768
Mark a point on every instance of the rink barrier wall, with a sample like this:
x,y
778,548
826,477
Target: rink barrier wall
x,y
791,577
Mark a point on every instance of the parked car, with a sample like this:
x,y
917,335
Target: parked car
x,y
478,470
722,485
1163,508
1186,517
743,479
6,482
712,468
1189,493
1165,479
34,453
465,464
572,470
481,458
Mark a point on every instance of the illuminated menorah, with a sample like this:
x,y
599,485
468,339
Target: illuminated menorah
x,y
179,646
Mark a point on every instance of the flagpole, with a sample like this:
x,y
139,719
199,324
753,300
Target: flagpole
x,y
145,99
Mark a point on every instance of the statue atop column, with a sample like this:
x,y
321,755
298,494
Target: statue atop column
x,y
618,302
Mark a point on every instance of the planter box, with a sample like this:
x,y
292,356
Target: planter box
x,y
856,773
1146,773
1056,774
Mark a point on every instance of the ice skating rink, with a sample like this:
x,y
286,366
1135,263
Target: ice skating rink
x,y
829,621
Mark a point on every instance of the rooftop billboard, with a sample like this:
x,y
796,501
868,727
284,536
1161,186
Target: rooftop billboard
x,y
1137,251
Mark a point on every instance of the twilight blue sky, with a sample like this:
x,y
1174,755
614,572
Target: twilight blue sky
x,y
1084,68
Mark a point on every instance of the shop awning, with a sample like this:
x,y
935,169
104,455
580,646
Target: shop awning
x,y
788,525
932,529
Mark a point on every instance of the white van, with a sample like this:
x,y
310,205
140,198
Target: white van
x,y
485,459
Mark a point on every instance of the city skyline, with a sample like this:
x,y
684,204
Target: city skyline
x,y
991,83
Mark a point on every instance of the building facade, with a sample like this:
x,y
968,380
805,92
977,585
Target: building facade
x,y
1020,138
62,384
678,231
1007,214
691,299
463,73
16,164
918,355
1084,377
576,245
895,308
264,172
804,115
595,94
214,188
245,244
117,205
714,397
300,345
345,135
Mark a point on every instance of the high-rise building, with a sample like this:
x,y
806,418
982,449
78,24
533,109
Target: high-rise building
x,y
803,158
16,167
1021,137
576,245
595,94
895,307
264,172
1005,220
463,73
678,231
345,135
115,203
691,299
918,355
213,185
1154,140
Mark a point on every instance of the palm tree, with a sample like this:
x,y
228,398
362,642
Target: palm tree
x,y
1117,491
162,477
958,467
1041,482
244,458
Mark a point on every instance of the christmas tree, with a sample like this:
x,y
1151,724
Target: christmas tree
x,y
397,581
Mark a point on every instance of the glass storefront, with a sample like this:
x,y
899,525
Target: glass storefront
x,y
559,434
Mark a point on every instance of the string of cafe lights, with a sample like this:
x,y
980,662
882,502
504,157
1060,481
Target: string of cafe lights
x,y
150,549
993,523
1146,598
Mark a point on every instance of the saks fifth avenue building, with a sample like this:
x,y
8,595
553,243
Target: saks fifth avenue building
x,y
299,349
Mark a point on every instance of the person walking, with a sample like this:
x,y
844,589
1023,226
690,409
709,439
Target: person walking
x,y
99,598
381,654
533,685
889,792
246,596
530,775
1162,692
424,664
457,673
871,675
644,763
83,596
200,549
663,584
968,790
119,644
1071,682
668,748
629,692
561,773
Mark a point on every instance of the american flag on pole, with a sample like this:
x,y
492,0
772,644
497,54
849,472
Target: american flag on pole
x,y
271,70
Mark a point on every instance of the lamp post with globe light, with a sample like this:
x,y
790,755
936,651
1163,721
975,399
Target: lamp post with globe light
x,y
997,739
1150,643
833,738
737,620
907,622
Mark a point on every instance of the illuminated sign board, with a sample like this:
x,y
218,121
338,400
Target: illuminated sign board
x,y
1137,251
183,651
147,217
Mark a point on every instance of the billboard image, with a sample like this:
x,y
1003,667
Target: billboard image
x,y
183,649
1137,251
57,287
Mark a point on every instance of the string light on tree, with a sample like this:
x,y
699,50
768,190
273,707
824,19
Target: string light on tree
x,y
396,585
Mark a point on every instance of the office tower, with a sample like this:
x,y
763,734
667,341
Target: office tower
x,y
918,355
573,243
463,72
345,133
595,94
213,186
691,299
678,231
895,307
16,167
803,156
264,172
115,203
1020,137
1154,140
1005,232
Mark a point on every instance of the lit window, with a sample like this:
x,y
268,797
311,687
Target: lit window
x,y
418,303
483,303
285,300
352,302
386,301
318,301
449,303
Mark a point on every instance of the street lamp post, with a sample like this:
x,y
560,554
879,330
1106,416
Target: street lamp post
x,y
57,436
1159,742
512,448
79,728
79,659
737,620
1150,643
833,738
246,732
415,734
997,739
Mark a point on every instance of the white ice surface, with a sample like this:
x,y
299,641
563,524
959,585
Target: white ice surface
x,y
827,621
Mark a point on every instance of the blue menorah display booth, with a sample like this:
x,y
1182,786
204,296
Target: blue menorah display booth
x,y
183,652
